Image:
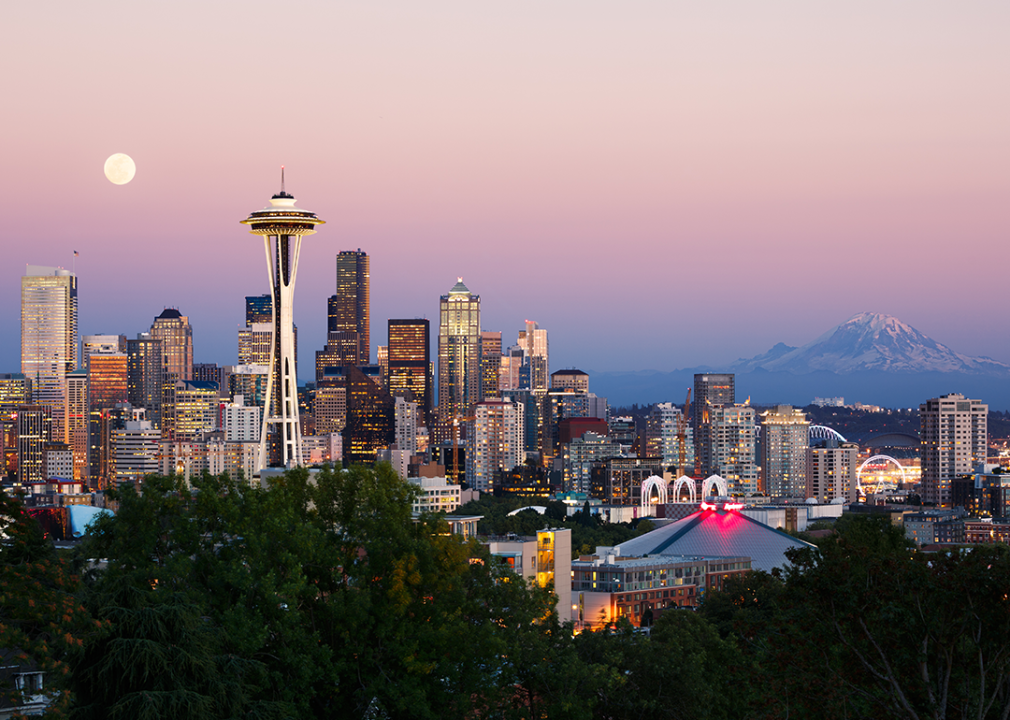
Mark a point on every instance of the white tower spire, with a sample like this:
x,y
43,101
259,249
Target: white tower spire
x,y
282,226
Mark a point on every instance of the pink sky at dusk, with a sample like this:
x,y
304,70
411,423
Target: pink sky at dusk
x,y
659,184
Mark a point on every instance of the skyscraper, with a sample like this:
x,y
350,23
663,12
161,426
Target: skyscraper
x,y
710,391
91,344
77,421
15,391
258,309
255,340
458,356
370,418
33,432
282,227
490,365
176,335
533,341
785,438
146,376
954,434
409,369
49,338
107,388
348,311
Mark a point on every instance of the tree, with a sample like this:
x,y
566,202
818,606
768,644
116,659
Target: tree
x,y
680,671
865,626
41,623
169,648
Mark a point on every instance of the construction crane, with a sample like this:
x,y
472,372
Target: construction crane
x,y
455,445
682,434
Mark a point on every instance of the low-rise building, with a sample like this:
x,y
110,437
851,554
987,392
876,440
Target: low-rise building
x,y
980,531
607,587
437,495
544,559
935,526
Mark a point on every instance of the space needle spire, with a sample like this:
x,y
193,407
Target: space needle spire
x,y
282,226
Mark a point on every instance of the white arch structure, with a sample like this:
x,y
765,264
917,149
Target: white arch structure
x,y
722,490
859,470
823,432
692,493
653,482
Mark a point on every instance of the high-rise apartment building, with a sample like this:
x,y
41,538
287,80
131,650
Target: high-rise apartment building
x,y
579,456
176,335
405,421
711,390
348,328
49,338
732,447
785,438
954,435
458,357
663,429
831,472
409,364
495,442
240,423
490,365
145,371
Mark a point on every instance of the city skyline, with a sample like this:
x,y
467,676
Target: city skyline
x,y
829,157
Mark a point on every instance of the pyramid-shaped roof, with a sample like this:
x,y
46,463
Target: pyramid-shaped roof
x,y
459,288
718,532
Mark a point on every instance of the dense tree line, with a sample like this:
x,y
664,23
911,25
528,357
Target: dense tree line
x,y
326,599
588,530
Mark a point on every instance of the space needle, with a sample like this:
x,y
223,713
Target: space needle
x,y
282,226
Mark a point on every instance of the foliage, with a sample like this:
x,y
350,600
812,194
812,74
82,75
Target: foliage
x,y
865,626
40,620
588,531
679,671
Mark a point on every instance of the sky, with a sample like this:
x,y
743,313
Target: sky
x,y
659,184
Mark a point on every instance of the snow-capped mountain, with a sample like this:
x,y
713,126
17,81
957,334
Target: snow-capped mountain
x,y
871,342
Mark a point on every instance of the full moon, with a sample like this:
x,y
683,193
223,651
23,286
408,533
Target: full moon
x,y
120,169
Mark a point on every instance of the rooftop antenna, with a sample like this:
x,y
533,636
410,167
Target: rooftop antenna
x,y
282,179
